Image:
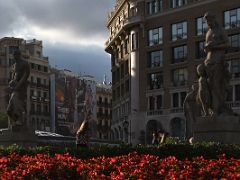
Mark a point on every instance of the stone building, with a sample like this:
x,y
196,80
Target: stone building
x,y
155,46
72,96
104,111
38,100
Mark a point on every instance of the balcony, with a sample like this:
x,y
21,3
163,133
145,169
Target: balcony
x,y
154,112
176,110
125,23
132,21
236,75
235,104
104,104
233,49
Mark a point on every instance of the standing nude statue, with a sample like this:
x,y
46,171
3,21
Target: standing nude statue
x,y
18,86
203,96
215,46
191,110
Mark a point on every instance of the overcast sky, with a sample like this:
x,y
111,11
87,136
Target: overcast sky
x,y
73,31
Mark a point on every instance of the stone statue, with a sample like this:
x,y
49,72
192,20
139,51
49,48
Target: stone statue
x,y
215,66
18,87
191,110
203,95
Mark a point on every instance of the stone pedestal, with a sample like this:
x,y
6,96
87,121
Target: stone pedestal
x,y
23,137
223,129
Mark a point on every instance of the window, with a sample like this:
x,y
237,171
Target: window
x,y
31,92
32,66
201,26
155,81
38,108
126,67
121,51
134,41
234,41
182,96
45,69
122,89
179,54
44,81
155,36
180,76
159,101
126,47
175,100
46,108
151,100
32,107
127,86
32,79
200,53
179,31
12,49
39,81
177,3
232,18
154,6
237,90
38,93
45,94
235,67
39,67
39,54
229,94
156,59
178,99
122,70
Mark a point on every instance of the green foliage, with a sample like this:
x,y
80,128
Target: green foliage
x,y
3,120
180,150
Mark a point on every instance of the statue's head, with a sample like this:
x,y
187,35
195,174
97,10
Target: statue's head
x,y
210,18
17,54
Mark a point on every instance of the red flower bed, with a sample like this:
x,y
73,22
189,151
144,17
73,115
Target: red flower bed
x,y
131,166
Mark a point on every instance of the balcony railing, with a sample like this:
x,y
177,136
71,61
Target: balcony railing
x,y
154,112
176,110
233,104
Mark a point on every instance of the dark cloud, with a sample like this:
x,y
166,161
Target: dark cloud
x,y
80,17
8,17
85,60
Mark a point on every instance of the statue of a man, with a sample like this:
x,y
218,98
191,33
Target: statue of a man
x,y
215,46
18,86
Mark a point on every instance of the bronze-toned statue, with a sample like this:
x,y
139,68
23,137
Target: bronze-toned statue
x,y
191,110
18,87
215,65
203,94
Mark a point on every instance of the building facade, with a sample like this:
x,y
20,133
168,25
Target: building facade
x,y
72,96
155,46
104,111
38,101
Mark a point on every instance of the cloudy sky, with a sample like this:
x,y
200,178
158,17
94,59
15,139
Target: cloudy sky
x,y
73,31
